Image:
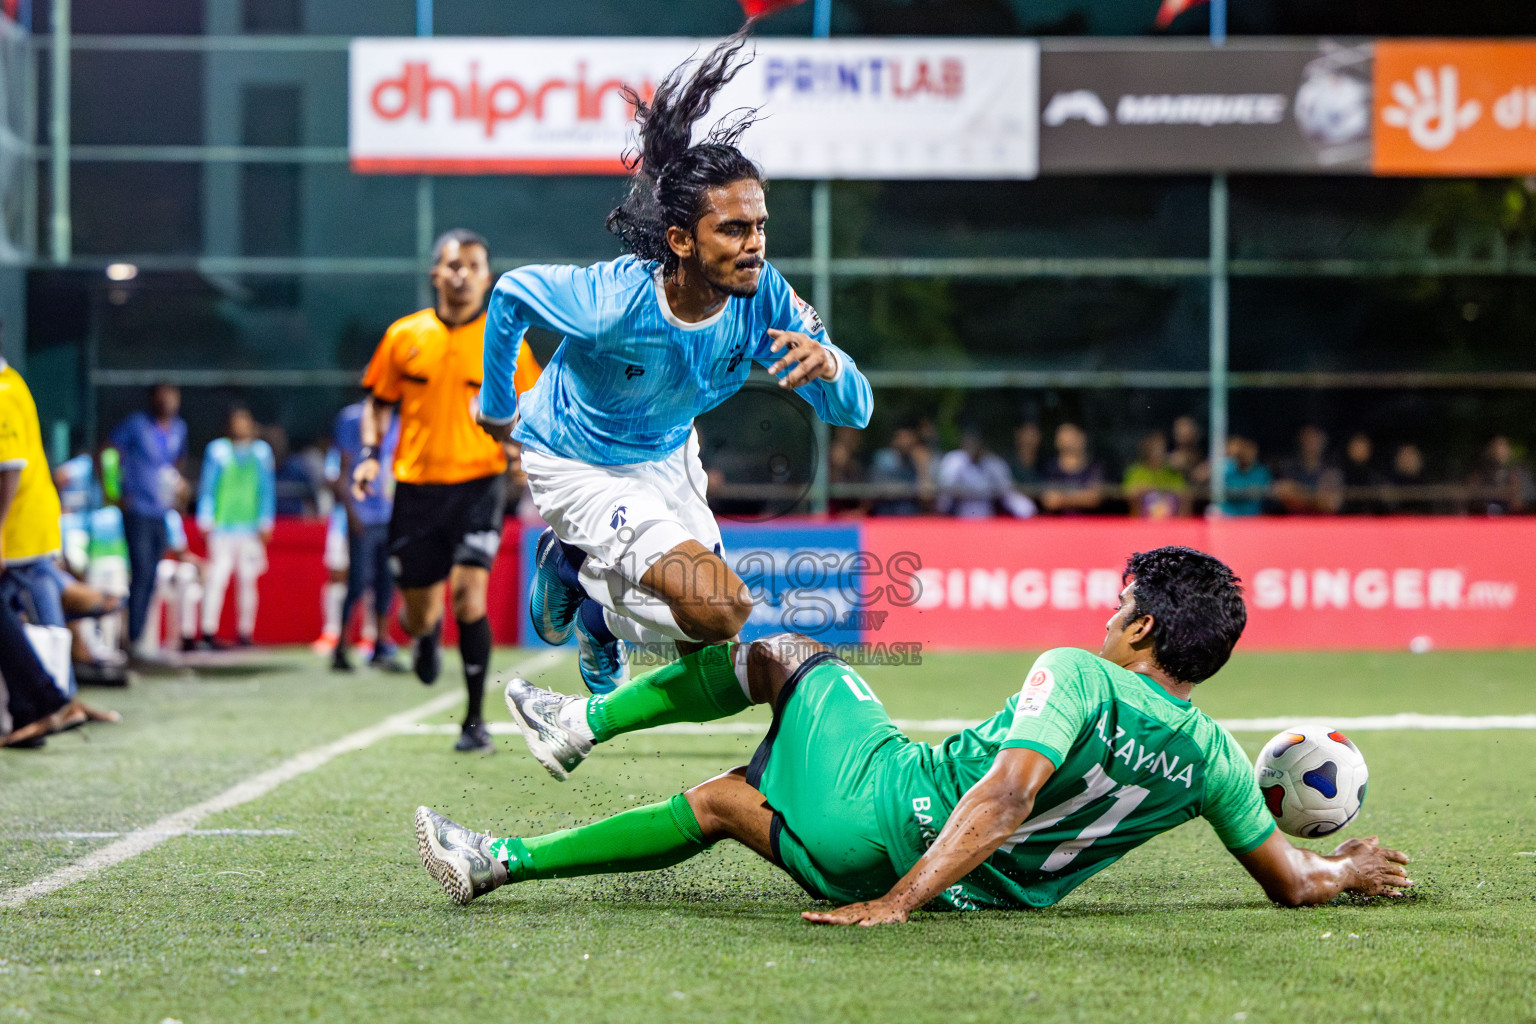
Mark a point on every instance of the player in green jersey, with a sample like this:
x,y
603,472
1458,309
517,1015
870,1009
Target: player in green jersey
x,y
1093,757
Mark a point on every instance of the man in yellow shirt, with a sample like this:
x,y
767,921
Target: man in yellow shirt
x,y
450,476
30,538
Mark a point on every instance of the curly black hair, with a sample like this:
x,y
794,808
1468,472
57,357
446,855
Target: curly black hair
x,y
669,172
1197,609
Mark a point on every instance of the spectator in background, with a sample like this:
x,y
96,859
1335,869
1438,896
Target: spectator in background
x,y
843,468
30,535
301,484
1189,455
906,466
1025,466
1074,483
1363,482
974,483
1404,479
1248,481
365,521
150,446
1153,488
1501,484
236,507
1308,484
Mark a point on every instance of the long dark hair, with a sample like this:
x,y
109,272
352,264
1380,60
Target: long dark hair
x,y
670,174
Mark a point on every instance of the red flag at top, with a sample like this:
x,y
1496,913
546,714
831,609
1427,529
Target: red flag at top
x,y
1172,9
759,8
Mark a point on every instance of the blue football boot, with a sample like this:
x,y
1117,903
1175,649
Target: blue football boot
x,y
601,654
553,600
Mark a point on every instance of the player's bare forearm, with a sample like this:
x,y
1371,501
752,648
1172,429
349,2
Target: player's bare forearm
x,y
990,812
500,430
1296,877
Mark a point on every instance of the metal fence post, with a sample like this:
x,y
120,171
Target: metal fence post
x,y
821,283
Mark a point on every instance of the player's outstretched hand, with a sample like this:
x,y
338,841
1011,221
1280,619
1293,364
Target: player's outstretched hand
x,y
501,431
808,356
864,915
1378,870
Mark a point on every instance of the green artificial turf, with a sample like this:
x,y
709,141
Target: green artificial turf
x,y
337,921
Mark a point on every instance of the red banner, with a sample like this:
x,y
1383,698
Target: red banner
x,y
1314,584
289,591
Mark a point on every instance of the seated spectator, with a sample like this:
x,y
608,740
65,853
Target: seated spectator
x,y
1363,482
843,468
905,466
1501,484
1308,484
974,483
1405,483
1247,480
1074,483
1189,455
1153,488
1025,465
32,702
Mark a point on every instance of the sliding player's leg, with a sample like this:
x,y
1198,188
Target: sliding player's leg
x,y
561,730
714,682
469,864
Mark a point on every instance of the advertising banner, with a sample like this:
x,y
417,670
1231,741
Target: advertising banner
x,y
1455,108
1362,584
1275,106
800,574
845,108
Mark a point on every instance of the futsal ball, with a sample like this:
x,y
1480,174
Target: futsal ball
x,y
1313,780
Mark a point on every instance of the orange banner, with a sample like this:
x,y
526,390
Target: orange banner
x,y
1455,108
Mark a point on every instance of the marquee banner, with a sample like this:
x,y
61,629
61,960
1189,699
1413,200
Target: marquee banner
x,y
844,108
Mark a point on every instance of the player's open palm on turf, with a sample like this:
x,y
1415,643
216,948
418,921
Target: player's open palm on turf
x,y
804,357
865,915
1379,871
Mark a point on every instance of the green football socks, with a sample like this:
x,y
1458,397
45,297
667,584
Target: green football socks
x,y
642,839
698,687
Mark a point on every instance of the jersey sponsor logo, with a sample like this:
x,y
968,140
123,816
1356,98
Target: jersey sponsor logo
x,y
1141,758
618,519
809,318
633,370
1036,693
736,358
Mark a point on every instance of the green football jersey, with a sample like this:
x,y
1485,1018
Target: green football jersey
x,y
1132,761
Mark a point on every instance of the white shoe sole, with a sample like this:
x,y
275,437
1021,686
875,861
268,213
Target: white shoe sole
x,y
536,745
448,870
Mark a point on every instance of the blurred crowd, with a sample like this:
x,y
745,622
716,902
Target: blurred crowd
x,y
1169,475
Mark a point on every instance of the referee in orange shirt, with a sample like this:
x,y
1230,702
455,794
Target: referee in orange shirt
x,y
450,476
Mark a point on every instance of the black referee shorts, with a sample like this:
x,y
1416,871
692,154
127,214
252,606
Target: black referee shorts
x,y
435,527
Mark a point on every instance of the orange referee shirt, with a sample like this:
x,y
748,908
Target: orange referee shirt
x,y
434,372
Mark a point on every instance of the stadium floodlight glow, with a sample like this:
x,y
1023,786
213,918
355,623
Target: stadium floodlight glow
x,y
122,271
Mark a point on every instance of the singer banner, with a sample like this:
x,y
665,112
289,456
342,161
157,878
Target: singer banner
x,y
1312,584
846,108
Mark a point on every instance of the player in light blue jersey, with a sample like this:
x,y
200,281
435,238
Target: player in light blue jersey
x,y
652,340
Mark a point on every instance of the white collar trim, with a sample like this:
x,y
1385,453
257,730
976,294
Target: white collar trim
x,y
3,364
672,318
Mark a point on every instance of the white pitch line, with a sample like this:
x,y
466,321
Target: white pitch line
x,y
179,823
1384,723
1373,723
199,832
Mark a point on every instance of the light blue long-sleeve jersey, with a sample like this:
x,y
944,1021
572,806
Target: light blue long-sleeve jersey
x,y
237,492
629,378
